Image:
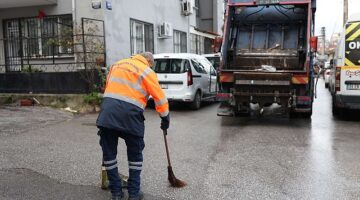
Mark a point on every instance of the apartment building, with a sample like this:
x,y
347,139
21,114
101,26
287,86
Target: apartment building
x,y
63,36
162,26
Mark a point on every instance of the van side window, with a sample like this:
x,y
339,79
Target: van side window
x,y
187,65
198,67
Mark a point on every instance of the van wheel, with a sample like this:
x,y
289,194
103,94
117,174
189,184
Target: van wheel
x,y
336,110
195,105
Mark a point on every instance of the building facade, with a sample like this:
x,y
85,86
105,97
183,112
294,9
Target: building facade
x,y
77,35
161,26
43,34
50,46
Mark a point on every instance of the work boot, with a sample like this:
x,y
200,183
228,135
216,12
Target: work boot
x,y
139,197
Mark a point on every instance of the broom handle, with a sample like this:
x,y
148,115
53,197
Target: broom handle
x,y
166,147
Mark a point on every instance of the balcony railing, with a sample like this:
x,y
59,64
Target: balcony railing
x,y
26,3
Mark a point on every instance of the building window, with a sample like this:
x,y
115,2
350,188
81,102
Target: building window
x,y
197,44
34,37
180,42
141,37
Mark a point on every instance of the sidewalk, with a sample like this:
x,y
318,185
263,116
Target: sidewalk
x,y
47,153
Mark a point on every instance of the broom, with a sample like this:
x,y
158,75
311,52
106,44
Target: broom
x,y
174,182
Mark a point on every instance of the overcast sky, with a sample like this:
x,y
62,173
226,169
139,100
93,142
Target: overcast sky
x,y
329,13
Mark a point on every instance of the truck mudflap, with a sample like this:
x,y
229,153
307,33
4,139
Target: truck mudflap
x,y
225,110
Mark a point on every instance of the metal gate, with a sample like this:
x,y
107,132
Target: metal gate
x,y
52,45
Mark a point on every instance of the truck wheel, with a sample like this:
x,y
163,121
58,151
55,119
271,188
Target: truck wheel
x,y
293,115
306,115
195,105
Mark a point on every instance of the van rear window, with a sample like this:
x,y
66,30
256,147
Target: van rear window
x,y
171,66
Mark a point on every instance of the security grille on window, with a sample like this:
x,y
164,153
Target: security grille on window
x,y
180,42
142,37
34,37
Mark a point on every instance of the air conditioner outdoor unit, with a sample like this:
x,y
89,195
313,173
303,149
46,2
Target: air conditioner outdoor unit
x,y
187,7
165,30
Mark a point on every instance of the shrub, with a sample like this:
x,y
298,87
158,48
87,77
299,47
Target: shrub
x,y
93,98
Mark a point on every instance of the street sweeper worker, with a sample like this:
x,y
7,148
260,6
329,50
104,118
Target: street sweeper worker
x,y
128,86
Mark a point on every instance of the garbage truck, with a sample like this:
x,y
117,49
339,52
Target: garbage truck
x,y
267,52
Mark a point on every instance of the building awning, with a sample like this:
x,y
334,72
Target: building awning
x,y
206,34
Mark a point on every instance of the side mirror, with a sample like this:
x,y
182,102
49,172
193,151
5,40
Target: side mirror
x,y
313,44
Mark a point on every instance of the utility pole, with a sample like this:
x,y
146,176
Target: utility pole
x,y
346,10
323,38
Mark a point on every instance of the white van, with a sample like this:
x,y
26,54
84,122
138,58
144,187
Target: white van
x,y
214,58
345,75
186,78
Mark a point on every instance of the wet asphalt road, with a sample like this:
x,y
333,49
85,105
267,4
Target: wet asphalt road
x,y
219,158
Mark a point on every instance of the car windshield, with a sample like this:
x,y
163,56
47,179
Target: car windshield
x,y
215,61
174,66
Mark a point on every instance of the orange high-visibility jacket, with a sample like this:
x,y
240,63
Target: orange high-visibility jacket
x,y
132,80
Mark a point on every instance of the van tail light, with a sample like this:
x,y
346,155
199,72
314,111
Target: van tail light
x,y
337,78
189,77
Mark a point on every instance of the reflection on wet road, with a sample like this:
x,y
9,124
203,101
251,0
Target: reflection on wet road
x,y
264,158
219,158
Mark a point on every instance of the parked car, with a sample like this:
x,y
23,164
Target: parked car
x,y
186,78
327,73
214,58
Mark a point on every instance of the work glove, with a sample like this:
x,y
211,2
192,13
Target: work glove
x,y
165,122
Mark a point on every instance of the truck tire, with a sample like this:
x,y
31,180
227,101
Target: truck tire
x,y
293,115
196,104
306,115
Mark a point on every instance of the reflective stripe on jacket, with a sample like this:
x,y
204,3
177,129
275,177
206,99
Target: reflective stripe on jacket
x,y
132,80
128,86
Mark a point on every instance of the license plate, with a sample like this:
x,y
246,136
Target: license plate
x,y
353,86
164,86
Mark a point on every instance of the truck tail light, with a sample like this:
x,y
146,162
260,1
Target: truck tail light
x,y
337,79
226,77
313,44
189,77
304,100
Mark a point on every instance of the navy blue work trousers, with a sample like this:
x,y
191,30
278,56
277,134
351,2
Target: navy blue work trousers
x,y
135,146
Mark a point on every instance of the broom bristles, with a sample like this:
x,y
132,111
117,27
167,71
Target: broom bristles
x,y
174,182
